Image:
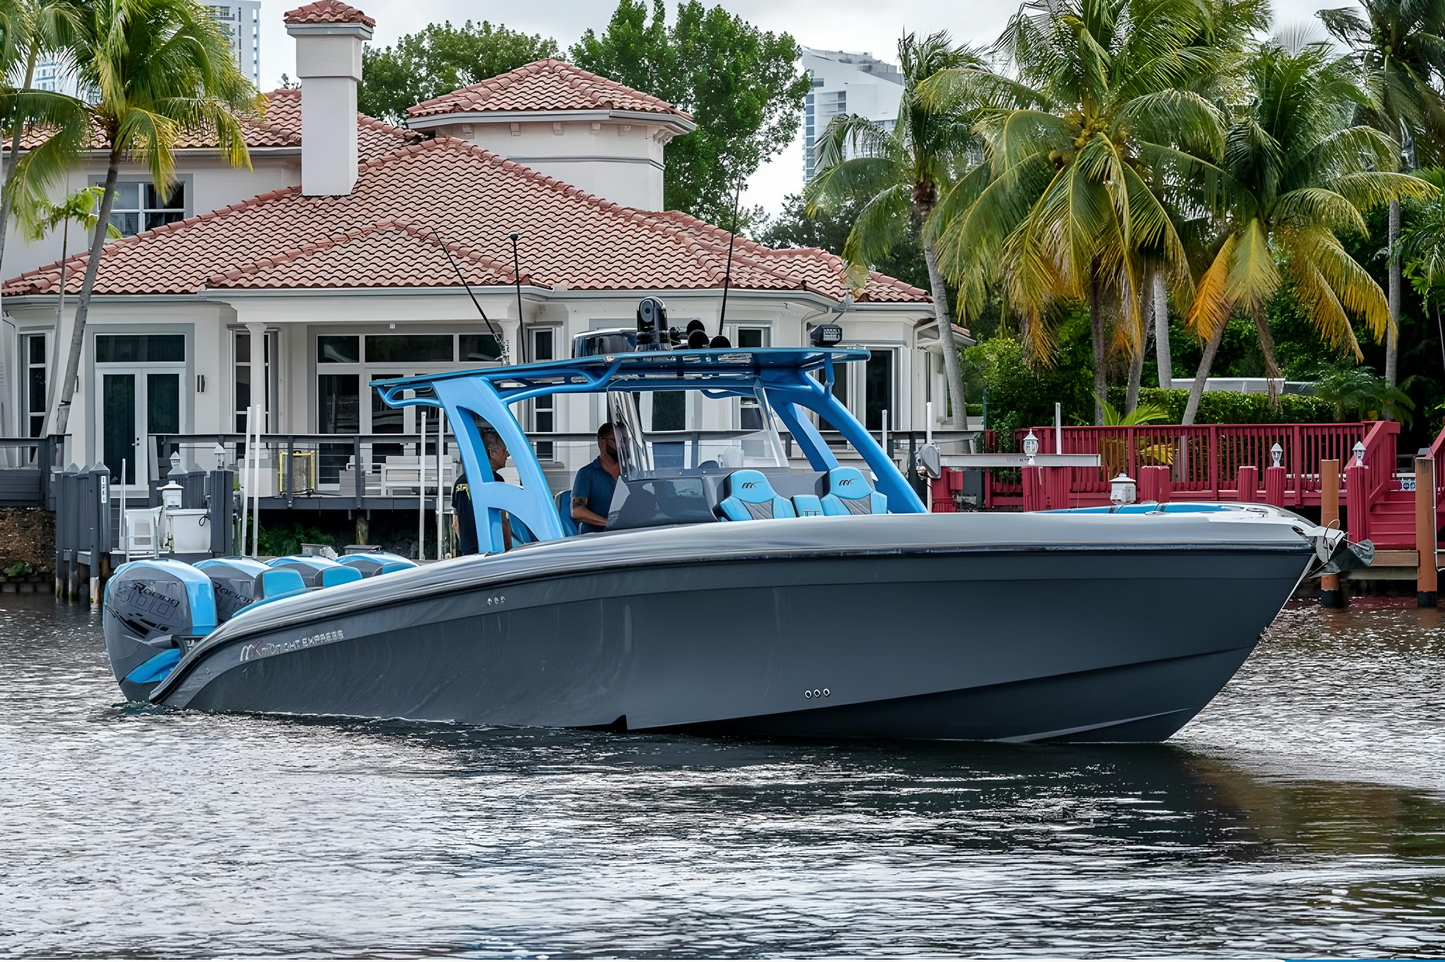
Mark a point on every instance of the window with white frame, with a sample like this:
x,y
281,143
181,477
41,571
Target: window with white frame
x,y
750,414
869,389
543,347
249,369
138,206
37,382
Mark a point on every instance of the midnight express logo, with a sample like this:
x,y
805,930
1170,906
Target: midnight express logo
x,y
265,649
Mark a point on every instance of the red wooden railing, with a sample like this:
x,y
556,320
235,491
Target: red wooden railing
x,y
1204,459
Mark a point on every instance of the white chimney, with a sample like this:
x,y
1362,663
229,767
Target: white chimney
x,y
329,35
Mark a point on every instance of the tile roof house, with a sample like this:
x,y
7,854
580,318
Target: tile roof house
x,y
342,257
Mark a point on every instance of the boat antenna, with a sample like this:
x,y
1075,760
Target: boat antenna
x,y
517,282
728,273
496,336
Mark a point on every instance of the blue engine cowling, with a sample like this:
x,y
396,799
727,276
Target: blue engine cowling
x,y
149,606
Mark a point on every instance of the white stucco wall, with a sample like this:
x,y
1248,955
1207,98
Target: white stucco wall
x,y
211,184
616,160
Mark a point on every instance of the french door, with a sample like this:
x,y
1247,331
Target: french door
x,y
134,402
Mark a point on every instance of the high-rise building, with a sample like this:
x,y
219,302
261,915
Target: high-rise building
x,y
240,20
846,83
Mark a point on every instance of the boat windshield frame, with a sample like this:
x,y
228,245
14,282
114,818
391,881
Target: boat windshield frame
x,y
794,379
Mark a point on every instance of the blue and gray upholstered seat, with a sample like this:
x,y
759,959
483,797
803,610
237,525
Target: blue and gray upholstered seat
x,y
750,496
846,491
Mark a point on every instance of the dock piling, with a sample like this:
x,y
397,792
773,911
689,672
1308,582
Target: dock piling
x,y
1426,533
1331,595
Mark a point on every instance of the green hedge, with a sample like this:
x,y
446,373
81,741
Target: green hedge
x,y
1021,397
1234,407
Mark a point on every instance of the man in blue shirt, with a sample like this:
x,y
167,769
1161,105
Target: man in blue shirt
x,y
593,487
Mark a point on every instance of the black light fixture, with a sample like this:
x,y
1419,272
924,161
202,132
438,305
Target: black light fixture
x,y
826,335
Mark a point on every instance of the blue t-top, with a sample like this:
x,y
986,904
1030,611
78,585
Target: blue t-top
x,y
597,486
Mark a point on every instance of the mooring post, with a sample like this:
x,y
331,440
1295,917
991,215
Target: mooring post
x,y
1357,501
1033,487
1331,596
1154,483
1274,478
101,537
1247,484
1426,533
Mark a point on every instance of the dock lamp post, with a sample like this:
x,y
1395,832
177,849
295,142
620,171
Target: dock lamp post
x,y
1031,447
1122,490
220,452
1276,454
1359,452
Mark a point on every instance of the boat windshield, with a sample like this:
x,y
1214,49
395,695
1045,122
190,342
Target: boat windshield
x,y
673,433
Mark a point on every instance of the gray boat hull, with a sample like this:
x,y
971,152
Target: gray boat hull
x,y
962,627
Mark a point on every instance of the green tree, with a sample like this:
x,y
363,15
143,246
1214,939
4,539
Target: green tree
x,y
740,84
41,217
1399,48
1295,175
902,173
794,226
1074,211
439,59
29,30
159,68
1422,251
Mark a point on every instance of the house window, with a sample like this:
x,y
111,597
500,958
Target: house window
x,y
750,413
868,389
139,348
248,371
36,383
139,206
543,347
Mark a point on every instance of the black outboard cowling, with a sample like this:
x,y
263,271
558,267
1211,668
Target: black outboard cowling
x,y
233,581
149,607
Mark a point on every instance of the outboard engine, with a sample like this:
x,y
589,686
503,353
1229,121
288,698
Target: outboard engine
x,y
233,581
150,606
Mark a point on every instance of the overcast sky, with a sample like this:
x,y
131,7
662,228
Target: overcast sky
x,y
871,26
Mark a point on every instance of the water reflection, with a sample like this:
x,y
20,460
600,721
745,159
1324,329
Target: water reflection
x,y
1300,815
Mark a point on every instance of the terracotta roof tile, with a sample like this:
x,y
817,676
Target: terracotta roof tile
x,y
281,127
328,11
381,235
545,85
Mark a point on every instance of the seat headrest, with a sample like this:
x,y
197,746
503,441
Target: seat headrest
x,y
847,483
339,575
280,581
750,487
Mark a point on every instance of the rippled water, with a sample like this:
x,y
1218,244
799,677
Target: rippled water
x,y
1302,814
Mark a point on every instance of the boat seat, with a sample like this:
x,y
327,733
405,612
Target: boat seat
x,y
277,583
807,506
564,512
750,496
332,577
846,491
391,566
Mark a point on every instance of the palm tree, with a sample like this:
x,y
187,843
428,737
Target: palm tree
x,y
1109,114
160,67
1422,252
1296,175
1399,46
901,174
45,216
33,29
